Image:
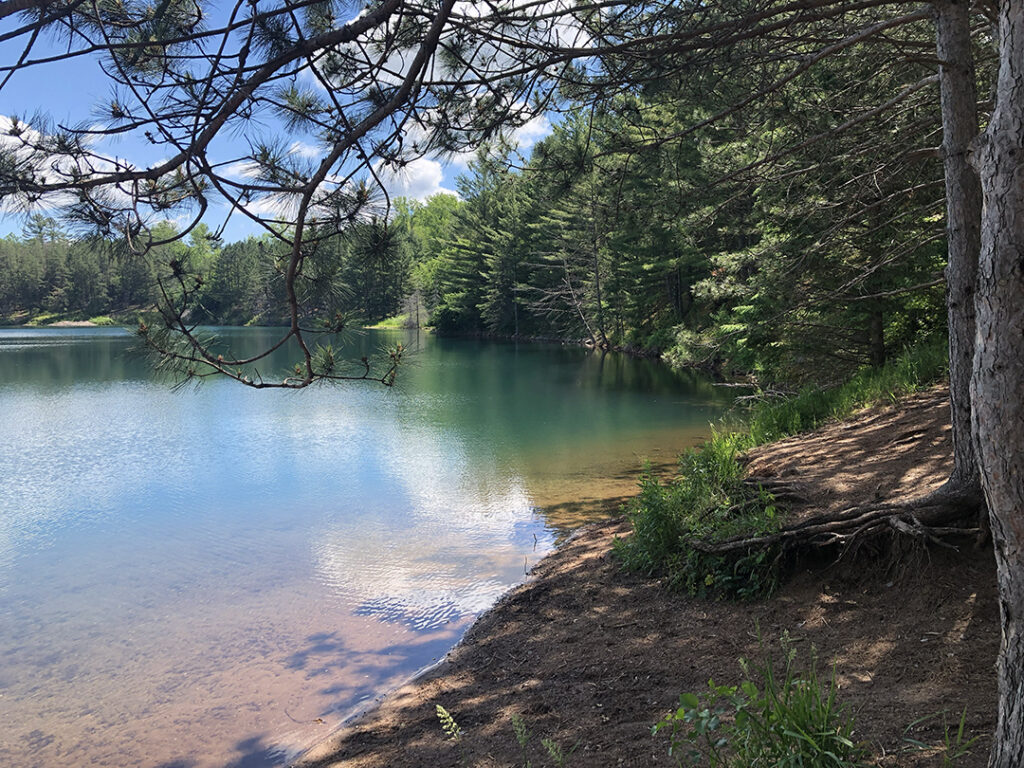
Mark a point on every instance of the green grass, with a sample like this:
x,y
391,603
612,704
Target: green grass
x,y
708,500
778,716
398,321
917,368
44,318
956,742
48,318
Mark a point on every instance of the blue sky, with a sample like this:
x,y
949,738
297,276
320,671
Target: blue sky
x,y
69,92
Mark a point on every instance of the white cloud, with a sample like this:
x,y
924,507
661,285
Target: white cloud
x,y
461,159
418,180
306,150
279,207
532,131
21,140
487,521
243,169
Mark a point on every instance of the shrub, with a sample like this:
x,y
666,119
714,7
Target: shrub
x,y
775,718
708,500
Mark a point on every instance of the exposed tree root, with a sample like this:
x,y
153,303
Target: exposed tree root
x,y
932,518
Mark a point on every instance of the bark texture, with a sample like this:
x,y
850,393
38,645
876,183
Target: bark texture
x,y
998,381
958,94
876,338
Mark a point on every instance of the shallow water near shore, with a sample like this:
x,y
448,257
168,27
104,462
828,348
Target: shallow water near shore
x,y
215,576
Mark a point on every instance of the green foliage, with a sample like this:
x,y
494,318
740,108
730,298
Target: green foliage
x,y
778,717
49,276
398,321
362,273
655,217
373,264
677,245
956,743
601,237
448,725
915,368
559,757
709,502
622,227
452,731
554,751
44,318
522,737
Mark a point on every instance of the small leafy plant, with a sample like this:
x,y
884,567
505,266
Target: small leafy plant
x,y
710,502
452,731
775,718
555,751
559,757
522,738
451,728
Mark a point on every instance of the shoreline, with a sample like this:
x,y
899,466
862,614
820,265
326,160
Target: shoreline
x,y
316,753
57,324
629,350
587,655
640,353
325,748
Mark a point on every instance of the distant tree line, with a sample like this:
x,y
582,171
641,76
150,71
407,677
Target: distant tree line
x,y
47,271
593,238
623,228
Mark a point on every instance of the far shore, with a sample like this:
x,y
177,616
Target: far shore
x,y
25,320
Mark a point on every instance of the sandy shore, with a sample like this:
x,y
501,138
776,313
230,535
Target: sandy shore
x,y
592,657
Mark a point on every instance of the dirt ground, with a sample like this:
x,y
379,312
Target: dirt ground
x,y
592,657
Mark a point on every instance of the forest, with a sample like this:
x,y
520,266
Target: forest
x,y
788,192
622,229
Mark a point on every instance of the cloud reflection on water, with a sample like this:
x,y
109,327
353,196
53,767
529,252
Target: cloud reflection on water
x,y
459,545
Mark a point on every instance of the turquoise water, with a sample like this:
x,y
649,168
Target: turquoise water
x,y
216,576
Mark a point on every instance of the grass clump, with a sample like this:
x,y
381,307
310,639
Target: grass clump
x,y
396,322
957,742
778,716
812,406
44,318
708,501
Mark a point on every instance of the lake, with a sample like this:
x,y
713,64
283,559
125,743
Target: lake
x,y
207,576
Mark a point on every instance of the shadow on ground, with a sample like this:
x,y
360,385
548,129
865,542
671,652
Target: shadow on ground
x,y
591,657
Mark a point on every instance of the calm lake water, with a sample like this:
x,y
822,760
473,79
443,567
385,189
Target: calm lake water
x,y
217,576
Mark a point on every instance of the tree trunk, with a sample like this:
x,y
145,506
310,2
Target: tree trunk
x,y
876,338
958,94
595,252
997,384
